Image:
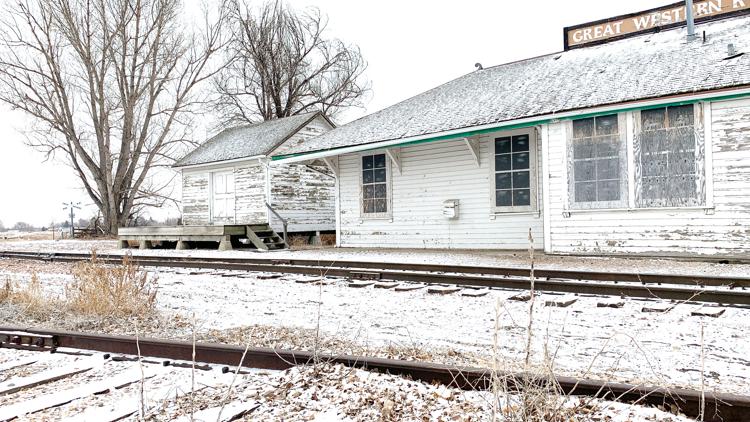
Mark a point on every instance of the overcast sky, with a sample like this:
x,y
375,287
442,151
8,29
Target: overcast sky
x,y
411,46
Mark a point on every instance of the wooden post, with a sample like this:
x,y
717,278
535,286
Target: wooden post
x,y
316,239
182,245
144,244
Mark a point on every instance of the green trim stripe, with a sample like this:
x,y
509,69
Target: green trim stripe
x,y
501,126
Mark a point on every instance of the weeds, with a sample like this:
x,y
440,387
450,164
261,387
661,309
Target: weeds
x,y
104,290
97,290
534,395
30,298
296,241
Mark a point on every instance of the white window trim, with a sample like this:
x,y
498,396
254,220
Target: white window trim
x,y
625,169
703,125
533,169
388,185
708,154
699,124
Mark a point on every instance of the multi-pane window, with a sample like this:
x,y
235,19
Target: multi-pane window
x,y
374,184
597,155
513,171
668,154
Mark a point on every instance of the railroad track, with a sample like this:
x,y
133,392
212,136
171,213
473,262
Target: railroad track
x,y
729,291
718,407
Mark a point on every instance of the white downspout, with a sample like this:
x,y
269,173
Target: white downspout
x,y
267,175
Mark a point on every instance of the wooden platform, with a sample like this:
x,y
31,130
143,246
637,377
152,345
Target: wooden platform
x,y
260,236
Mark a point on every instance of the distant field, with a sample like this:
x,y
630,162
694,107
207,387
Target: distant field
x,y
12,236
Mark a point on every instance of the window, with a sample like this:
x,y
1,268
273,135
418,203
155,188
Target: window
x,y
513,173
670,158
596,163
374,185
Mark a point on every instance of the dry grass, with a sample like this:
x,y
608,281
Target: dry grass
x,y
111,290
328,239
303,242
98,290
30,298
535,395
297,241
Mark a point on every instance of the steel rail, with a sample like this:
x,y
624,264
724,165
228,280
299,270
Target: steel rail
x,y
588,275
718,406
617,284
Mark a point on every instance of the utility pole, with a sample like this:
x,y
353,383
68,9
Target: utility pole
x,y
72,206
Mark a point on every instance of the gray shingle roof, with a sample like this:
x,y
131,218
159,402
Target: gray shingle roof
x,y
642,67
247,140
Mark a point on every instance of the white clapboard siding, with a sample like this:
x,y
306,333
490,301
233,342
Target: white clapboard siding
x,y
195,193
430,174
672,232
304,197
250,194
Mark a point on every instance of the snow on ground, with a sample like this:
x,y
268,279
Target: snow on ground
x,y
321,393
422,256
583,339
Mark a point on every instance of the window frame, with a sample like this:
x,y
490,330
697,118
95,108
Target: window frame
x,y
533,170
624,170
388,186
700,161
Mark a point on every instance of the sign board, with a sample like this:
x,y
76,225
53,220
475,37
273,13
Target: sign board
x,y
649,21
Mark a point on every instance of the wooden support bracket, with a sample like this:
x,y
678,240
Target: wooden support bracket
x,y
473,144
333,164
395,155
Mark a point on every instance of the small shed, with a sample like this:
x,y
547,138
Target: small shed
x,y
227,179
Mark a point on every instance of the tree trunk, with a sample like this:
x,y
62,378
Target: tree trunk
x,y
109,83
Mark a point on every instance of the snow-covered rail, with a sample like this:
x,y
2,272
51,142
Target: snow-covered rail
x,y
718,407
680,287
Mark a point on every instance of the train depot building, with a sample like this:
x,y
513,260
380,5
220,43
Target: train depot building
x,y
633,140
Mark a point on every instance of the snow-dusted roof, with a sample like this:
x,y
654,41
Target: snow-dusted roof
x,y
642,67
247,140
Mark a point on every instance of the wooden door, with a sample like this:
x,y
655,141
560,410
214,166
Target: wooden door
x,y
222,204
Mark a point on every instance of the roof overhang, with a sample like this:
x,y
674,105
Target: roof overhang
x,y
678,99
219,163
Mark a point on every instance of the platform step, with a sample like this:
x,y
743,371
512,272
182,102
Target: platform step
x,y
265,238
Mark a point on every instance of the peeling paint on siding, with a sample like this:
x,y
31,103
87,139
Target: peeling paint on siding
x,y
195,199
303,196
250,195
667,231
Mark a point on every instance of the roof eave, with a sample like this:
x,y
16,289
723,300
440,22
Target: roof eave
x,y
712,95
217,162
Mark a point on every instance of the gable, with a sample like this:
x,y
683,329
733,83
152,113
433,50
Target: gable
x,y
248,141
316,127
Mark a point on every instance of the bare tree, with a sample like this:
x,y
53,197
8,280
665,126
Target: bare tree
x,y
110,84
282,65
22,226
